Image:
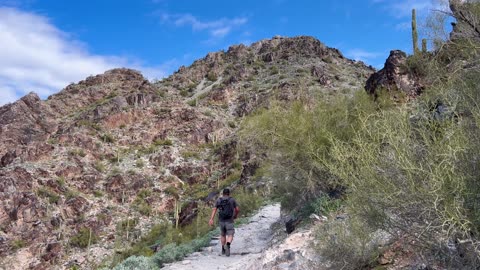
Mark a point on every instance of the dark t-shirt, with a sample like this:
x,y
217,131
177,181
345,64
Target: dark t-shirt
x,y
233,204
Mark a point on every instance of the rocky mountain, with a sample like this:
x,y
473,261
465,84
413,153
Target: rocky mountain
x,y
116,146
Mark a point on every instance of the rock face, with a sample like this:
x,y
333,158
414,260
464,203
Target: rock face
x,y
24,128
116,147
394,78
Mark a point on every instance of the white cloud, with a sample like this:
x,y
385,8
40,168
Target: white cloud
x,y
362,55
404,8
216,28
37,56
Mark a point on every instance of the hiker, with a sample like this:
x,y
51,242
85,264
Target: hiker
x,y
227,212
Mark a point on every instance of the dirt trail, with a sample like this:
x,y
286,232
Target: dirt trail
x,y
250,241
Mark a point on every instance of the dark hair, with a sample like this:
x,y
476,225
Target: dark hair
x,y
226,191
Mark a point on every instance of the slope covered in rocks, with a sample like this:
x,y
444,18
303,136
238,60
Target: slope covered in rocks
x,y
116,147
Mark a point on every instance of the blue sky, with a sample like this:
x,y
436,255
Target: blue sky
x,y
47,44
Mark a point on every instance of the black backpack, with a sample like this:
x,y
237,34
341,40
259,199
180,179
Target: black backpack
x,y
225,209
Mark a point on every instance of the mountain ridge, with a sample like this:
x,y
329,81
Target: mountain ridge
x,y
116,146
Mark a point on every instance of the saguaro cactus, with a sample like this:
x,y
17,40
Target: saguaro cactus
x,y
424,45
414,32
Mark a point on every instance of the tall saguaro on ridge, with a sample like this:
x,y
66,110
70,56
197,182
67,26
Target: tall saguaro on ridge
x,y
414,32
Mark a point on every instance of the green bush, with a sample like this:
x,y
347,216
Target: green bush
x,y
192,102
107,138
173,252
18,244
190,154
141,204
248,201
49,194
348,244
297,141
230,179
70,194
139,163
160,142
137,262
97,193
211,76
77,152
99,166
323,205
61,181
83,238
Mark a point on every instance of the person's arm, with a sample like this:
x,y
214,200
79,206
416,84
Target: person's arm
x,y
214,211
237,210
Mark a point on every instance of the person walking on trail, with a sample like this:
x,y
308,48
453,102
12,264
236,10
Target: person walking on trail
x,y
227,212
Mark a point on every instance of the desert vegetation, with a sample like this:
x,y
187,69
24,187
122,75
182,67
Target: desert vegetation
x,y
399,171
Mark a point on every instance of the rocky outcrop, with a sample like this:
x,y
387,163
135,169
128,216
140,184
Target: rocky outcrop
x,y
394,78
104,93
24,128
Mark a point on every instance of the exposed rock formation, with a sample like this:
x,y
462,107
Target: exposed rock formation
x,y
394,78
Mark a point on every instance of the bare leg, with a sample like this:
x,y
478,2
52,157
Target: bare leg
x,y
229,238
223,240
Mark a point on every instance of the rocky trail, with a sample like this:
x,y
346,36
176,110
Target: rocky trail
x,y
250,241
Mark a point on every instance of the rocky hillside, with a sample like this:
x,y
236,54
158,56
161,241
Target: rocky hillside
x,y
116,146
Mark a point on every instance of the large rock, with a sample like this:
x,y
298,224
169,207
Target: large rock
x,y
394,78
23,124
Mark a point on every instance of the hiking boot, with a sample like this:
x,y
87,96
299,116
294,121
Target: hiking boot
x,y
223,250
227,249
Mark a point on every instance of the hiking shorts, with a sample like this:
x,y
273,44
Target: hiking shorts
x,y
226,228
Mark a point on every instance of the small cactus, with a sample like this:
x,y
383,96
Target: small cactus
x,y
424,46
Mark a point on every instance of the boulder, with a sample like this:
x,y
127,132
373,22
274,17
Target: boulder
x,y
394,77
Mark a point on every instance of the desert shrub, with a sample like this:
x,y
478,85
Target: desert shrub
x,y
83,238
115,159
248,201
338,238
61,181
139,163
211,76
99,166
172,190
147,150
77,152
418,65
49,194
107,138
274,70
161,92
186,92
296,139
192,102
141,204
323,205
137,262
231,178
115,171
71,194
190,154
160,142
18,244
173,252
52,141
